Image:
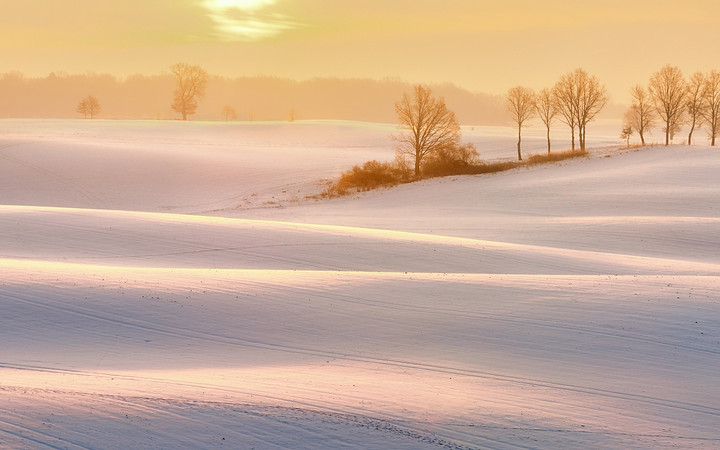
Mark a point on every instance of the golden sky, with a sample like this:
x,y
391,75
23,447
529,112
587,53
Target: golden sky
x,y
486,46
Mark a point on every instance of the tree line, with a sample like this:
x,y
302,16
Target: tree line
x,y
671,101
576,99
252,98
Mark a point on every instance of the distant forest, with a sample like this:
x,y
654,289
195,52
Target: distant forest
x,y
252,98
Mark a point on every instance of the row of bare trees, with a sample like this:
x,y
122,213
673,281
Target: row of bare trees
x,y
575,99
671,101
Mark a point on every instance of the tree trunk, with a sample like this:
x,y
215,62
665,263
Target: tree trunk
x,y
692,128
642,138
667,134
519,140
417,165
548,139
572,136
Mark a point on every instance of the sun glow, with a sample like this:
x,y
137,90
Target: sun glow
x,y
243,20
248,5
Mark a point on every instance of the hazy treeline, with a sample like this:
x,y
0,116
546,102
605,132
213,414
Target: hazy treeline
x,y
253,98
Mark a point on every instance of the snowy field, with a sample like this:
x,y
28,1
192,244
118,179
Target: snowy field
x,y
168,285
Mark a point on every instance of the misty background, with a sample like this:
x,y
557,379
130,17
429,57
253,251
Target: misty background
x,y
253,98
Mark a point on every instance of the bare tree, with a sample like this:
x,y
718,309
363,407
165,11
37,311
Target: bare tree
x,y
640,116
520,102
89,107
564,101
546,110
695,102
626,132
667,89
590,99
711,112
579,97
229,113
191,81
429,126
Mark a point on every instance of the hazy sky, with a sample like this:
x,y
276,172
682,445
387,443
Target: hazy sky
x,y
486,46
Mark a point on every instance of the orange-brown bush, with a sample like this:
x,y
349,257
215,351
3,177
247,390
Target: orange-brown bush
x,y
457,160
451,160
372,175
554,157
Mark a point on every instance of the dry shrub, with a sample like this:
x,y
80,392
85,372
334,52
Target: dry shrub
x,y
371,175
452,160
455,160
554,157
495,167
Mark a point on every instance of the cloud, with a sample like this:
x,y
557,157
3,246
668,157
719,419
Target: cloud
x,y
247,20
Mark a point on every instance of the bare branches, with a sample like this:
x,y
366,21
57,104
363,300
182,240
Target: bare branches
x,y
640,117
229,113
695,104
190,88
429,124
579,97
668,91
565,104
546,111
711,99
521,105
89,107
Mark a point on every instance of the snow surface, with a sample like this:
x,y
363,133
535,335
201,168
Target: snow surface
x,y
168,285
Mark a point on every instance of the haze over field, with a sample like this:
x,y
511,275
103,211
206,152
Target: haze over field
x,y
478,45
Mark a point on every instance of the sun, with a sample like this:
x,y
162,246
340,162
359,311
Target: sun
x,y
248,5
245,20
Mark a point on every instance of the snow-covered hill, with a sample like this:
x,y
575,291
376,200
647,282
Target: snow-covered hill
x,y
572,305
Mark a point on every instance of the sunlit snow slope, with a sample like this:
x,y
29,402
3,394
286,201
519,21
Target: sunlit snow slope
x,y
573,305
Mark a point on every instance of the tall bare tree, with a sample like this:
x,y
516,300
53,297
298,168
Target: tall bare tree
x,y
695,102
89,107
546,110
668,91
641,114
565,103
590,99
191,81
520,102
711,112
429,126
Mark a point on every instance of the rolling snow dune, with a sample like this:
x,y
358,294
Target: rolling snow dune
x,y
574,305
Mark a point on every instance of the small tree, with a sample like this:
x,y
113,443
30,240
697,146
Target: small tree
x,y
641,115
546,110
89,107
191,81
429,126
627,131
229,113
668,91
711,98
695,102
521,105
